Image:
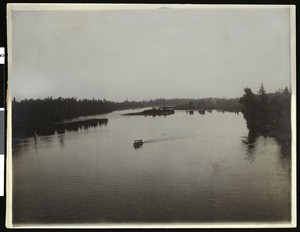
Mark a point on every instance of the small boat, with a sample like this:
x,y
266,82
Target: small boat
x,y
138,142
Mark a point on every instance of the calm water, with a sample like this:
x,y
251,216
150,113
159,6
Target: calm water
x,y
192,168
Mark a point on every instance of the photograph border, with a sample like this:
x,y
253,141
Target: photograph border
x,y
46,7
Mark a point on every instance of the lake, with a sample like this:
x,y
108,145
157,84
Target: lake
x,y
192,168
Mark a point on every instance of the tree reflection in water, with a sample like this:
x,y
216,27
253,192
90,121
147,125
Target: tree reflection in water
x,y
201,112
283,138
20,133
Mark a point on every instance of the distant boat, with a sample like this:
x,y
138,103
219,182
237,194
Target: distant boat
x,y
138,142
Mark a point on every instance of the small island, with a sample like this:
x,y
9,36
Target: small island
x,y
154,112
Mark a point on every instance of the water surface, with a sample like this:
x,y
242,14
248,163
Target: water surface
x,y
193,167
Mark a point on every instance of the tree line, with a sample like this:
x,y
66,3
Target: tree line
x,y
30,112
231,104
267,111
262,110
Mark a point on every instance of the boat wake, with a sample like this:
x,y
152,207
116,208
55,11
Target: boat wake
x,y
167,139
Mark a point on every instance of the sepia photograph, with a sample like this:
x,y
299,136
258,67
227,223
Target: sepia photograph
x,y
151,116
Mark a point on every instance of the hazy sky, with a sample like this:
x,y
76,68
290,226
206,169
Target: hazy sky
x,y
148,54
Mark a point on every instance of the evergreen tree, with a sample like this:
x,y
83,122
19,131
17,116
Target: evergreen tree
x,y
249,102
263,107
286,91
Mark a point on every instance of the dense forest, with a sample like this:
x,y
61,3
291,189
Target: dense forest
x,y
44,111
268,114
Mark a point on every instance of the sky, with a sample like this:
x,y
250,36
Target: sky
x,y
147,54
